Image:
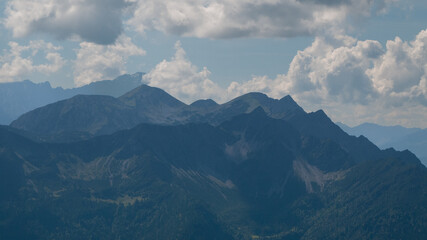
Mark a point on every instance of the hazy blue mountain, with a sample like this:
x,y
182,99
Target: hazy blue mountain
x,y
416,142
398,137
114,88
250,177
380,135
18,98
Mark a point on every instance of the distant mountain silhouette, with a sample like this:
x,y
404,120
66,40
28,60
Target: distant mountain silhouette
x,y
18,98
398,137
252,176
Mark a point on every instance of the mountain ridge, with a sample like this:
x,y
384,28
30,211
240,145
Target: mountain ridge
x,y
146,104
153,105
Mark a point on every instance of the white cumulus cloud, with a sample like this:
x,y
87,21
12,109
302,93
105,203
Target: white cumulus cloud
x,y
182,79
362,71
17,62
99,62
401,72
356,79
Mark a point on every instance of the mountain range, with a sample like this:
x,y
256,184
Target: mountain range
x,y
398,137
145,165
17,98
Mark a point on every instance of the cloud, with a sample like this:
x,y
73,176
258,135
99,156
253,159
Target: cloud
x,y
249,18
101,21
335,71
98,62
352,80
18,62
401,72
327,70
362,72
181,78
355,79
98,21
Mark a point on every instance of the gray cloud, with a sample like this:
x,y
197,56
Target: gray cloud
x,y
327,2
98,21
249,18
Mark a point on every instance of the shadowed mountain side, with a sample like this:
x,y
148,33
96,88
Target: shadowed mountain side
x,y
318,124
251,176
89,114
372,202
153,105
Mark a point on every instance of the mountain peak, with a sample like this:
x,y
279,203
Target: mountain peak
x,y
146,95
144,90
287,98
320,114
289,101
288,105
261,97
204,103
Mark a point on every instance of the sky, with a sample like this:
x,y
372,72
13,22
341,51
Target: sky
x,y
358,60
